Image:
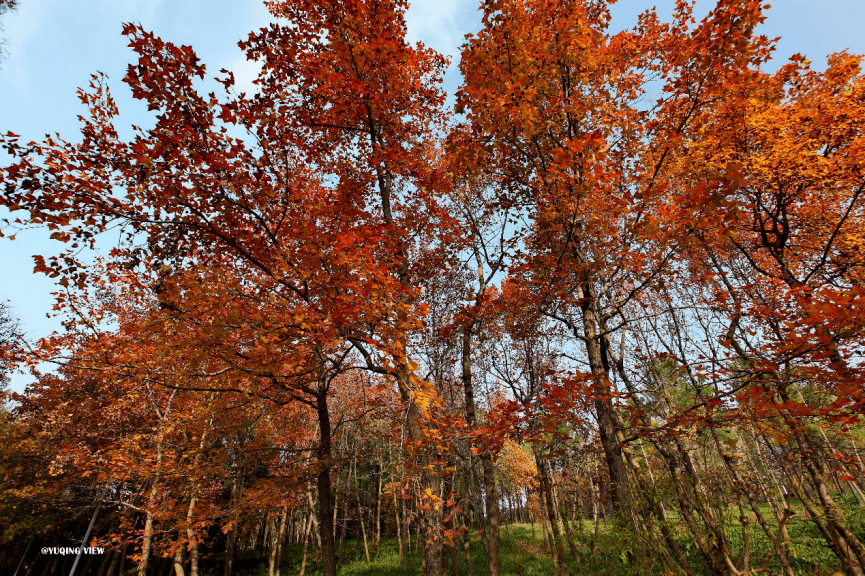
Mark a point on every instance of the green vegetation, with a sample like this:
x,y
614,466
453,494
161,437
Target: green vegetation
x,y
614,553
521,555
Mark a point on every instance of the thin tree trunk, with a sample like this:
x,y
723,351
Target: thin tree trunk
x,y
360,515
154,490
190,513
400,545
450,524
568,535
306,532
744,489
860,476
148,522
116,561
91,560
467,551
50,568
379,483
549,510
656,504
596,510
342,532
316,529
545,528
178,562
276,544
325,494
29,567
231,542
106,562
85,540
190,535
491,528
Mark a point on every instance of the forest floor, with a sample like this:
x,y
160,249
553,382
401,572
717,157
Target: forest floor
x,y
521,555
524,552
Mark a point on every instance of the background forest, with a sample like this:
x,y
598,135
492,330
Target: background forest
x,y
604,315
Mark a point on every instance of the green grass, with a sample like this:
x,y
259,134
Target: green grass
x,y
514,561
520,555
614,553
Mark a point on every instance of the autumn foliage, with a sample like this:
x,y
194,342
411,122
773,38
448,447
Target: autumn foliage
x,y
620,282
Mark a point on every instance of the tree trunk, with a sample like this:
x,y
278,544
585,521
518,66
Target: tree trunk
x,y
91,560
190,535
148,522
116,561
450,524
468,554
276,545
743,488
560,505
231,542
604,411
106,563
178,562
491,532
548,534
400,544
190,513
154,492
342,532
377,542
50,567
306,532
360,515
549,509
325,493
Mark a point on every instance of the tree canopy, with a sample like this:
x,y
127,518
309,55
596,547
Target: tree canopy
x,y
620,281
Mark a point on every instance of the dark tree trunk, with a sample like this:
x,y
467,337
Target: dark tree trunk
x,y
325,493
115,561
91,560
51,568
606,417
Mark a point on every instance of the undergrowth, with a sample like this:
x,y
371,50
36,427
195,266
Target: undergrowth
x,y
614,552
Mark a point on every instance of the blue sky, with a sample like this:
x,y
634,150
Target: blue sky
x,y
53,46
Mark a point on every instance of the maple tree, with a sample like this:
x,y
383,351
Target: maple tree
x,y
622,282
562,105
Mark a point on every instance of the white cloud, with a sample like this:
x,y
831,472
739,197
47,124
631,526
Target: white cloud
x,y
144,11
245,71
19,26
441,24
